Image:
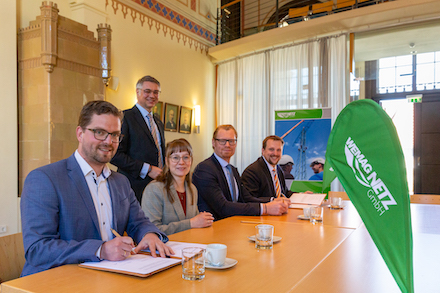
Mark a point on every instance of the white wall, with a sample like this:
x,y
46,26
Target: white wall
x,y
8,119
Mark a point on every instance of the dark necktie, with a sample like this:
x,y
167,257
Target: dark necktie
x,y
231,183
153,130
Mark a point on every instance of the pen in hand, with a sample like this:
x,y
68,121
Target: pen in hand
x,y
118,235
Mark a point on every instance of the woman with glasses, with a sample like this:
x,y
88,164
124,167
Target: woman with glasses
x,y
170,201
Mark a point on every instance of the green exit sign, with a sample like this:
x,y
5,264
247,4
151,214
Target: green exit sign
x,y
414,98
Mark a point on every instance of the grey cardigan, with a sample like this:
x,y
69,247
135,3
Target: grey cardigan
x,y
168,217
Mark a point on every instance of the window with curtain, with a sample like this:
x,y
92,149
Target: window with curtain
x,y
250,88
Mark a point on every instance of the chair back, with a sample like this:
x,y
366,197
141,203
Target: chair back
x,y
425,198
341,194
11,257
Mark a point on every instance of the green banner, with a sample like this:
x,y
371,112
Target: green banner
x,y
365,153
298,114
329,175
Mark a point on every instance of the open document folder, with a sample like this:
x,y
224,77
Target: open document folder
x,y
302,200
143,265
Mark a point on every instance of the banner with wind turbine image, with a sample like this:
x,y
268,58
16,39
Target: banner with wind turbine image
x,y
305,133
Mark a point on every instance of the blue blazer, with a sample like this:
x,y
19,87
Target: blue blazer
x,y
215,196
59,221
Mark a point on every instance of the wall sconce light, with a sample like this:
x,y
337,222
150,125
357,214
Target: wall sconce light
x,y
197,119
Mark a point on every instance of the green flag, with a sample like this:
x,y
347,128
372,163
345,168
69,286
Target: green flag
x,y
329,174
365,153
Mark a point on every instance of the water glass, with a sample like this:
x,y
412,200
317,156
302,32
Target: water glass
x,y
193,263
335,202
316,213
264,236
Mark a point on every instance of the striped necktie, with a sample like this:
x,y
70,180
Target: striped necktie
x,y
153,130
232,183
277,183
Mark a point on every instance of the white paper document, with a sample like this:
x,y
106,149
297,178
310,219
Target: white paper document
x,y
141,264
177,247
136,264
302,200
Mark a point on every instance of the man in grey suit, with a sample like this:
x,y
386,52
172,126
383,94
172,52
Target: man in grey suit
x,y
70,207
140,154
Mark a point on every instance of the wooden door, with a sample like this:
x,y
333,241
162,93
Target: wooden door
x,y
427,145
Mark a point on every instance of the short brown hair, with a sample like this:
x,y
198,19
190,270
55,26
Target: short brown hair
x,y
224,127
98,108
145,79
272,137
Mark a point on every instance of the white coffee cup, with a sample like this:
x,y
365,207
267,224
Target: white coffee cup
x,y
216,254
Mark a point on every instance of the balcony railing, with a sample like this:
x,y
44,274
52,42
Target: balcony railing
x,y
240,18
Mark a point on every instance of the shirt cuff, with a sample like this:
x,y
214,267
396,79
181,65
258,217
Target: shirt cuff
x,y
98,253
144,170
261,209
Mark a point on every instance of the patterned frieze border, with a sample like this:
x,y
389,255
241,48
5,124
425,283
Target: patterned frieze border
x,y
29,63
177,18
61,63
35,32
78,39
157,25
29,32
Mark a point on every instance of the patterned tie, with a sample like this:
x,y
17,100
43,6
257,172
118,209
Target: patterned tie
x,y
153,130
231,183
277,183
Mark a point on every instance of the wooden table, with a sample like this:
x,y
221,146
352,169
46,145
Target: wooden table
x,y
309,258
348,217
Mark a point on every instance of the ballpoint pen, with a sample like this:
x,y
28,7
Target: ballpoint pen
x,y
118,235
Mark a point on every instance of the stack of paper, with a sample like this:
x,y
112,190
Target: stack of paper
x,y
302,200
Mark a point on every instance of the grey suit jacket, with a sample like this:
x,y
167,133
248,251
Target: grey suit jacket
x,y
59,220
168,217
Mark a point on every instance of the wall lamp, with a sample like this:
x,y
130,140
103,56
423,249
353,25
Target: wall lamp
x,y
197,119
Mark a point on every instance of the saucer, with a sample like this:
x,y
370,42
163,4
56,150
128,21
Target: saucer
x,y
336,208
275,238
229,263
302,217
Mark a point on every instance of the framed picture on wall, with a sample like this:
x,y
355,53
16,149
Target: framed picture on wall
x,y
158,110
171,117
185,120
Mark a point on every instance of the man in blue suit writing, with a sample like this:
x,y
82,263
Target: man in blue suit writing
x,y
70,207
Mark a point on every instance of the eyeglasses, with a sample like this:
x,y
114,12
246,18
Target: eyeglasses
x,y
224,141
176,159
148,92
101,134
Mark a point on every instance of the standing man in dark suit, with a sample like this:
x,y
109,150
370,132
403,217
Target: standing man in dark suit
x,y
264,177
140,154
69,208
219,185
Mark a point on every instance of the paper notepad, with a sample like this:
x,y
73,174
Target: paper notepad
x,y
143,265
137,265
302,200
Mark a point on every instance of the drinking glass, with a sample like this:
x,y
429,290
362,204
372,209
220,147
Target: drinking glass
x,y
264,236
193,263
